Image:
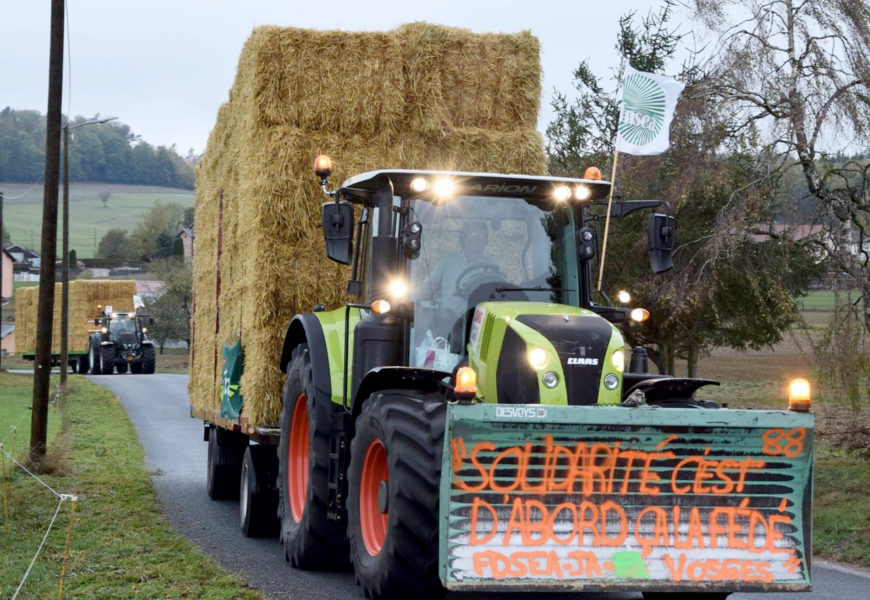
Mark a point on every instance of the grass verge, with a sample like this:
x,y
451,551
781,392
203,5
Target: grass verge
x,y
122,545
841,518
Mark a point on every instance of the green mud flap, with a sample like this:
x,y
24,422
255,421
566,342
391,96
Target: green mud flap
x,y
609,498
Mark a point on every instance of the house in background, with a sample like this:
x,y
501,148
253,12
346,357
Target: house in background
x,y
6,283
187,236
23,256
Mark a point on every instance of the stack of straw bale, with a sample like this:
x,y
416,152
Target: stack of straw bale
x,y
421,96
84,296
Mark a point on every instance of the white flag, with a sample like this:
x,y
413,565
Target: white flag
x,y
646,110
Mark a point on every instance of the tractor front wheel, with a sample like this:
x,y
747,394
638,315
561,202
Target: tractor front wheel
x,y
107,359
121,367
392,501
94,357
148,362
311,540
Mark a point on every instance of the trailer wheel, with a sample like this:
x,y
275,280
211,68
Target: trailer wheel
x,y
258,495
121,367
94,355
311,540
148,362
84,364
225,452
107,359
392,502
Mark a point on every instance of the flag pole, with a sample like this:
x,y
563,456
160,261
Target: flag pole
x,y
607,219
612,179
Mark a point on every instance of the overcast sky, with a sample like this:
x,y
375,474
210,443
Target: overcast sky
x,y
164,66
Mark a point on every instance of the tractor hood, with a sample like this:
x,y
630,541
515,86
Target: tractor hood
x,y
530,353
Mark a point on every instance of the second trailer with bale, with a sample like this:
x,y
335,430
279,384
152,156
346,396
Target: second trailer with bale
x,y
86,299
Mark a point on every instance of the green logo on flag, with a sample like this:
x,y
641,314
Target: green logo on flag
x,y
643,110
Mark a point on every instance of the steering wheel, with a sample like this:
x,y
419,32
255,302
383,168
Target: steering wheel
x,y
483,268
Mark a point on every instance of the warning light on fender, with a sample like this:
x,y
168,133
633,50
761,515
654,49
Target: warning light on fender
x,y
799,395
466,382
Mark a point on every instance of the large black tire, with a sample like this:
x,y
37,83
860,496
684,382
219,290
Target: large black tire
x,y
148,362
121,367
225,452
84,364
94,357
311,540
258,494
107,359
135,367
395,555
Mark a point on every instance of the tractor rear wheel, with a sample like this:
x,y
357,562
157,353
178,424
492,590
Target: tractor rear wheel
x,y
84,364
225,452
107,359
392,501
136,367
121,367
258,496
148,362
311,540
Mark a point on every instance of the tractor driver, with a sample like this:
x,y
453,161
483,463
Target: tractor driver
x,y
462,266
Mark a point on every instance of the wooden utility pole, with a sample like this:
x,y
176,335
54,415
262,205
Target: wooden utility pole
x,y
64,288
45,314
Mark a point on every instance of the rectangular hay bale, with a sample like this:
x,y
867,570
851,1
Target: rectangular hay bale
x,y
422,96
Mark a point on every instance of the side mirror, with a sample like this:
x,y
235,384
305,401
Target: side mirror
x,y
662,229
338,231
97,321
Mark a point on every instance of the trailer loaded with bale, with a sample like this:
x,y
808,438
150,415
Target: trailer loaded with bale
x,y
445,403
86,299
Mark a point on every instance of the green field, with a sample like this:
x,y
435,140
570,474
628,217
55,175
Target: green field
x,y
89,219
122,545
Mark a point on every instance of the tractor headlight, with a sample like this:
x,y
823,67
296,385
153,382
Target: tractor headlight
x,y
611,382
561,193
104,330
538,358
443,188
617,359
397,288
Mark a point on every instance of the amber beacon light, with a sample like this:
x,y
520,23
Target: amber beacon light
x,y
799,395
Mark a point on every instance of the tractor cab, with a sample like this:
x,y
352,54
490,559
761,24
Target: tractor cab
x,y
434,252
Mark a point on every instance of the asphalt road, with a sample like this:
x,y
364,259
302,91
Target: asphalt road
x,y
175,455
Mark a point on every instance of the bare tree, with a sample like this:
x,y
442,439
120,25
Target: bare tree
x,y
798,73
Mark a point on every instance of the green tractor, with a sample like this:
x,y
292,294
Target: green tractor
x,y
470,422
121,343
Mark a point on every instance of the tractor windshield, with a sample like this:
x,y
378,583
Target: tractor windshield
x,y
477,249
121,324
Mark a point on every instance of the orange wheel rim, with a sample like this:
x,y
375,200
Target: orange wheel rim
x,y
372,521
297,458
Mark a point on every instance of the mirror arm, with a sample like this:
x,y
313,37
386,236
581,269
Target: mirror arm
x,y
625,207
